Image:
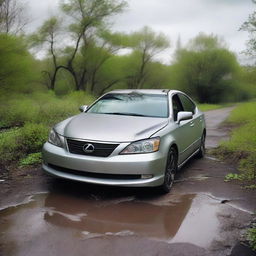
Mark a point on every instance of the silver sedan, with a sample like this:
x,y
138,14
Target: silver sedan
x,y
135,138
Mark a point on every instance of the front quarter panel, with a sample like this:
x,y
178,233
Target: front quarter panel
x,y
168,137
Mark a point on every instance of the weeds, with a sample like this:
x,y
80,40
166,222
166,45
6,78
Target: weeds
x,y
33,114
31,159
251,236
241,147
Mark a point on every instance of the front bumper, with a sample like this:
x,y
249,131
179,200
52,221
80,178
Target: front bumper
x,y
80,165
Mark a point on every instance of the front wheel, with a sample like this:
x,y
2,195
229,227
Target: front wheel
x,y
201,151
170,171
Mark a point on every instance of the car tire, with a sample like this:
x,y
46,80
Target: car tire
x,y
201,151
170,170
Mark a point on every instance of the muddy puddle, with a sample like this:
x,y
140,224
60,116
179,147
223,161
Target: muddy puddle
x,y
48,217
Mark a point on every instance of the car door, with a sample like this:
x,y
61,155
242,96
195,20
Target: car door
x,y
183,131
194,123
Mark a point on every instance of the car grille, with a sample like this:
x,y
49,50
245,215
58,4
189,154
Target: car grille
x,y
96,175
100,149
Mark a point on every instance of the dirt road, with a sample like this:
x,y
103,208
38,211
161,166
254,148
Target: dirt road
x,y
202,215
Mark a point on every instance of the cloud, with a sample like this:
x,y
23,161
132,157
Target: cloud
x,y
173,17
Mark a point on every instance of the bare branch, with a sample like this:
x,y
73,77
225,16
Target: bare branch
x,y
13,18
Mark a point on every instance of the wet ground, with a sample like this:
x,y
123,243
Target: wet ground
x,y
202,215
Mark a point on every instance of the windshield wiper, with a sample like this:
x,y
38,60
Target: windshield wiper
x,y
124,114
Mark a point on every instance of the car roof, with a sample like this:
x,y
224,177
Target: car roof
x,y
145,91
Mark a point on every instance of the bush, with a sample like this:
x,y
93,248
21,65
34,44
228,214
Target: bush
x,y
35,114
31,159
8,146
18,112
31,137
17,143
43,108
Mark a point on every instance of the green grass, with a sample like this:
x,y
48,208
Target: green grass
x,y
207,107
31,159
243,113
19,142
43,108
241,147
30,118
251,237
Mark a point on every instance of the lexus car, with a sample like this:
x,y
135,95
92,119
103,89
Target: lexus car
x,y
133,138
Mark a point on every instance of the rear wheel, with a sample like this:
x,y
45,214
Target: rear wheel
x,y
170,171
201,151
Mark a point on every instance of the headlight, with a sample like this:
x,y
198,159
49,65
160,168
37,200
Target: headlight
x,y
54,138
143,146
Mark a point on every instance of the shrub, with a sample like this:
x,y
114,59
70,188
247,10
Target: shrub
x,y
31,159
17,143
31,137
18,112
35,114
39,107
8,146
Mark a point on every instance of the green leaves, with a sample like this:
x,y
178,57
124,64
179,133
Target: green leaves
x,y
206,69
15,62
250,27
91,13
148,41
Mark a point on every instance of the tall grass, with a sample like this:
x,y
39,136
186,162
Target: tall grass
x,y
242,144
25,121
43,108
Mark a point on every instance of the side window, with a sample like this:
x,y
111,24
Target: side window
x,y
187,104
176,105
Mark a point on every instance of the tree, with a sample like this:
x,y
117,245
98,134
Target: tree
x,y
250,27
13,18
146,45
84,19
110,75
98,50
206,69
16,64
47,36
87,16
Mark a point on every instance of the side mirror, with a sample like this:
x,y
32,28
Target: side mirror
x,y
83,108
183,115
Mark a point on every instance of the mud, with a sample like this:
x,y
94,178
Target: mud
x,y
178,218
202,215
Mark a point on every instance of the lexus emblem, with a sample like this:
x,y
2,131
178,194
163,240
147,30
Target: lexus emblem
x,y
88,148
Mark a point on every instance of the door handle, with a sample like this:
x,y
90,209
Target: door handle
x,y
192,124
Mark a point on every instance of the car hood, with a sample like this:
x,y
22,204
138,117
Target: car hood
x,y
103,127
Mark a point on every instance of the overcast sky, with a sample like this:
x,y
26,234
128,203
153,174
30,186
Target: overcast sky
x,y
174,18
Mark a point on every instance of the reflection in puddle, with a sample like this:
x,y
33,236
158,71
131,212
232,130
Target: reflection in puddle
x,y
142,218
173,218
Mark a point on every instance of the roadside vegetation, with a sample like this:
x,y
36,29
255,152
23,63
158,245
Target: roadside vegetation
x,y
207,107
241,147
251,236
25,121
